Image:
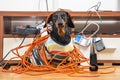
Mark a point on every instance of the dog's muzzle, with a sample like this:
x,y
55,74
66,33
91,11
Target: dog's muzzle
x,y
60,24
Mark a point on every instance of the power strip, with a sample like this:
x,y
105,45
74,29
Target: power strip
x,y
27,30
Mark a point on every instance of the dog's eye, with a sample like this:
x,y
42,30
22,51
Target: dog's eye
x,y
55,17
63,16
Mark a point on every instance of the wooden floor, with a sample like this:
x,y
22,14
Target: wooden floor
x,y
58,76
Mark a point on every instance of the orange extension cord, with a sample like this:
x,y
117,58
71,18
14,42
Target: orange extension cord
x,y
71,68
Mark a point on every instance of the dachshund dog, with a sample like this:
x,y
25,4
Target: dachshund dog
x,y
62,24
60,36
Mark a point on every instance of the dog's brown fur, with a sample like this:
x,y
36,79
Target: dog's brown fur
x,y
61,30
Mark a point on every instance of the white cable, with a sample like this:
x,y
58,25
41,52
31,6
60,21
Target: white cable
x,y
98,4
98,15
98,28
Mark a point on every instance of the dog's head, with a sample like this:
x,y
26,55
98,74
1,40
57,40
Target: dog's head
x,y
61,22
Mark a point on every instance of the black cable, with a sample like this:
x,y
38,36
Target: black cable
x,y
96,7
1,61
23,39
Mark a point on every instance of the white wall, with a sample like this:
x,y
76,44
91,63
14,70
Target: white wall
x,y
24,5
74,5
83,5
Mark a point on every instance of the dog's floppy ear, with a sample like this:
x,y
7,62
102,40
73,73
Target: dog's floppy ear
x,y
69,21
48,21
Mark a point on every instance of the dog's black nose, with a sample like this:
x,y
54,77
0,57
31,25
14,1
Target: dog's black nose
x,y
60,24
